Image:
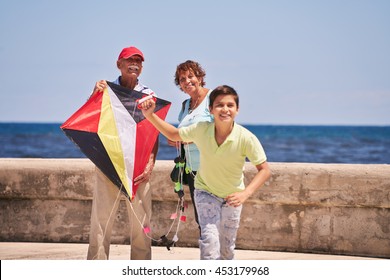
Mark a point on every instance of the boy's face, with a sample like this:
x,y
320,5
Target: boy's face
x,y
224,108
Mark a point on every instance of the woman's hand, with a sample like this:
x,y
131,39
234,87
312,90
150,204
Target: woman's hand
x,y
148,107
173,143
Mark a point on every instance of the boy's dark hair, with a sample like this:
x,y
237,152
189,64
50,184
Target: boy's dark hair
x,y
223,90
192,66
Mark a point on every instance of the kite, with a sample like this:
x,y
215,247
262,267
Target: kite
x,y
113,133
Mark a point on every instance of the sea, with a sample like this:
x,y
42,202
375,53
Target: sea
x,y
282,143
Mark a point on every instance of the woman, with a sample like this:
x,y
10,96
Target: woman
x,y
189,77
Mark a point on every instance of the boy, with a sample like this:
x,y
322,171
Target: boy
x,y
219,187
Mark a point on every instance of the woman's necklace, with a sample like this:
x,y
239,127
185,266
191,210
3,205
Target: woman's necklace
x,y
192,108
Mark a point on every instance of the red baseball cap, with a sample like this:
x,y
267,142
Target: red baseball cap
x,y
130,51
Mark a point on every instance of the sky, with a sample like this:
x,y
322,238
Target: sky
x,y
301,62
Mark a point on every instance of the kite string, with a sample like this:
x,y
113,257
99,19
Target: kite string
x,y
137,218
179,207
188,158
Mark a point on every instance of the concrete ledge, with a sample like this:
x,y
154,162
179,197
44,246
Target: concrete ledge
x,y
307,208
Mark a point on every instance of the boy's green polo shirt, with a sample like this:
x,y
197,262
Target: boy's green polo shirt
x,y
221,167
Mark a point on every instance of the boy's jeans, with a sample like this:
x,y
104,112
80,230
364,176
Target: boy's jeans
x,y
219,223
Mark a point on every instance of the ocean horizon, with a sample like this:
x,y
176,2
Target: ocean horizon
x,y
351,144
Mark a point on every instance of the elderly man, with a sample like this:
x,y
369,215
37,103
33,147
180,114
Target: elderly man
x,y
106,195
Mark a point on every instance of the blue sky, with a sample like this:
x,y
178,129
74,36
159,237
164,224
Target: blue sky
x,y
292,62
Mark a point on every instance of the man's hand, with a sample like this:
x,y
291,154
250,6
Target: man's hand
x,y
145,176
99,86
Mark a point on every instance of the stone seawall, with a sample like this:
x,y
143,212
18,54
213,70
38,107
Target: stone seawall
x,y
318,208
